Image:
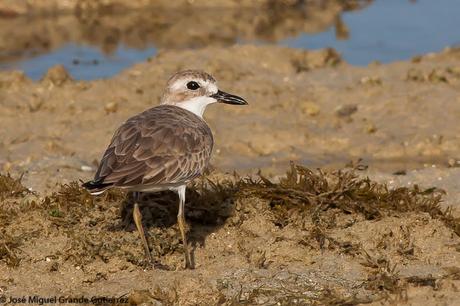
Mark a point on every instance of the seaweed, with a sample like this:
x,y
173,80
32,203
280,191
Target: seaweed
x,y
72,202
301,294
311,193
384,275
11,187
315,201
9,249
423,281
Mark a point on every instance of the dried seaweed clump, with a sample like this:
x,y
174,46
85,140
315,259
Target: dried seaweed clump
x,y
311,193
11,187
73,201
9,248
70,202
89,222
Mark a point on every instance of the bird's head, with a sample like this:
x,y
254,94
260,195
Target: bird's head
x,y
193,90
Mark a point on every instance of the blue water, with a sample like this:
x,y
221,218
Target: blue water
x,y
83,62
386,30
391,30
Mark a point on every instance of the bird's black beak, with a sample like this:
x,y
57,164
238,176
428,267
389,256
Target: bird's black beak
x,y
227,98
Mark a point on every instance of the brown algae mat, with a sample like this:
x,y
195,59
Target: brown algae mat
x,y
312,238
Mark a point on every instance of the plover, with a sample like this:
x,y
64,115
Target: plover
x,y
164,147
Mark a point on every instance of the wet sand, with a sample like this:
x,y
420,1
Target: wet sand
x,y
307,107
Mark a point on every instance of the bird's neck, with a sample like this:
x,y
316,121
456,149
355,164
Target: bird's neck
x,y
195,105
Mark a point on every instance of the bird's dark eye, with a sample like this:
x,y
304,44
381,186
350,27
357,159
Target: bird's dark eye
x,y
193,85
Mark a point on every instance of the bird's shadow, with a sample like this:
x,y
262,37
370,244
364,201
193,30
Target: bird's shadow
x,y
204,213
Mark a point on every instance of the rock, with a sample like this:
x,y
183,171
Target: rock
x,y
371,80
86,168
437,76
264,146
341,30
310,108
35,104
454,71
346,110
416,59
7,166
370,128
375,63
308,60
57,75
138,297
453,162
111,107
415,75
11,78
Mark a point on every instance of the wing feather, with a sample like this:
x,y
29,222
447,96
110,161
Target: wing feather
x,y
161,146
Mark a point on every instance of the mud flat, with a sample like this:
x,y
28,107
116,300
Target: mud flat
x,y
309,107
306,238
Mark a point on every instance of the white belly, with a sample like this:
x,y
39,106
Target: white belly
x,y
154,188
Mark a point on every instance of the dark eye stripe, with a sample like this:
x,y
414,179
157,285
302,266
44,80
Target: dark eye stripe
x,y
193,85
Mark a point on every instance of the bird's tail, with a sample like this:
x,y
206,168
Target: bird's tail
x,y
96,187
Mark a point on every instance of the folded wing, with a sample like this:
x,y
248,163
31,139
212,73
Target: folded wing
x,y
161,146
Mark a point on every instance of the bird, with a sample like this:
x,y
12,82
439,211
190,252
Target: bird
x,y
164,147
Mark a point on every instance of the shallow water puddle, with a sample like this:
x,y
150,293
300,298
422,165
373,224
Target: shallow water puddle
x,y
388,31
82,61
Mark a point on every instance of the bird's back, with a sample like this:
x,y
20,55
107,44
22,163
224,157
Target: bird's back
x,y
160,147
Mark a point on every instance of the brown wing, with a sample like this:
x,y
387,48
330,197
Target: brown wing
x,y
163,145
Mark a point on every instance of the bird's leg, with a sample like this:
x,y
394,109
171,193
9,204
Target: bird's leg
x,y
182,225
137,216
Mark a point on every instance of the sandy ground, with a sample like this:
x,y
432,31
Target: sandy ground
x,y
304,106
303,242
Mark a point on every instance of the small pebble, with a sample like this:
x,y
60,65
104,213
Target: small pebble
x,y
310,108
85,168
416,59
35,104
346,110
111,107
415,75
367,80
370,128
452,162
